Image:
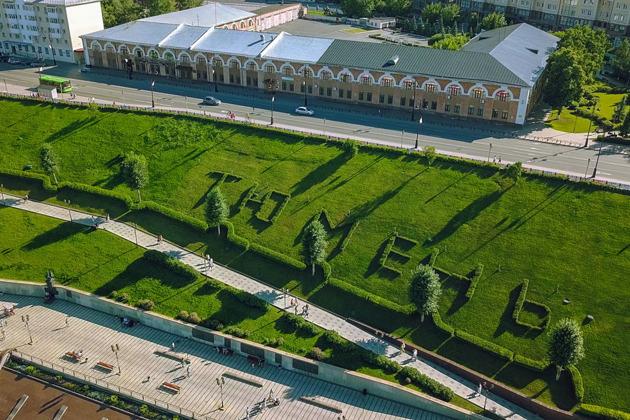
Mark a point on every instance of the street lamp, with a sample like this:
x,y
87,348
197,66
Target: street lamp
x,y
413,109
304,86
489,150
220,383
587,164
273,99
53,54
25,320
214,79
589,124
116,349
487,387
135,232
152,97
599,153
418,132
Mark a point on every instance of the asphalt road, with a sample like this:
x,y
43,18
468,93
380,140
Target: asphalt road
x,y
342,121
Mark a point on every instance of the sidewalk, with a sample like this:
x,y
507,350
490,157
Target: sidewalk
x,y
318,316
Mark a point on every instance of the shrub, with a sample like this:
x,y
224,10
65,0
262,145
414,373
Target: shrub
x,y
310,329
123,297
213,324
193,318
431,386
578,385
113,295
294,320
474,281
184,270
145,304
248,299
437,320
602,412
183,315
535,365
350,148
316,353
334,340
237,332
279,342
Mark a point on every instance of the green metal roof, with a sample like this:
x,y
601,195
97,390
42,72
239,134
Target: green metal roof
x,y
462,65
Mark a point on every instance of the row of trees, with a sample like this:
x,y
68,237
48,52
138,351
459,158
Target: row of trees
x,y
438,19
117,12
367,8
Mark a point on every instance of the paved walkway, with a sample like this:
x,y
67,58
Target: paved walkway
x,y
318,316
146,361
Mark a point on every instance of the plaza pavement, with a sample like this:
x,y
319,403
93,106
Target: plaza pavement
x,y
146,361
318,316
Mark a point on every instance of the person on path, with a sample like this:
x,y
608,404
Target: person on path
x,y
271,394
247,413
173,346
159,239
402,348
26,198
211,264
188,371
67,324
494,160
499,159
414,354
478,390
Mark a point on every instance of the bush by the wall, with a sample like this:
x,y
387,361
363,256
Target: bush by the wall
x,y
248,299
350,148
213,324
346,240
602,412
316,354
388,365
536,365
369,297
184,270
578,384
194,318
499,351
145,304
474,280
237,332
428,385
437,320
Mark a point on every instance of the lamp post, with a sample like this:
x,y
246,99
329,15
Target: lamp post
x,y
599,153
220,383
25,320
152,97
413,108
589,124
418,132
304,86
273,99
123,97
53,54
587,164
135,232
487,387
214,79
116,349
489,150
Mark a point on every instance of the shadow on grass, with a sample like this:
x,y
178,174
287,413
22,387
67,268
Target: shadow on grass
x,y
319,175
506,322
465,216
18,186
72,128
93,203
460,287
232,311
59,233
462,352
448,187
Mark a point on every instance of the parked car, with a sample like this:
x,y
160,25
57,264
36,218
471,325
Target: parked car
x,y
211,100
302,110
4,58
85,70
16,62
37,63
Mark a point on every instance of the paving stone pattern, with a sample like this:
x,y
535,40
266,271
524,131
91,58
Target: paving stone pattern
x,y
318,316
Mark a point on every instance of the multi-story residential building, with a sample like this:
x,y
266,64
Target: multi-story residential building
x,y
497,76
48,29
611,15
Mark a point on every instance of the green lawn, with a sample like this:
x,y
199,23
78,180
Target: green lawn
x,y
570,124
546,231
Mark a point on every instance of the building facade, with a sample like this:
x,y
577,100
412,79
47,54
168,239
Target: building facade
x,y
47,29
497,76
613,16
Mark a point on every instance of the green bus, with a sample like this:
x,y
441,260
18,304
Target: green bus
x,y
62,85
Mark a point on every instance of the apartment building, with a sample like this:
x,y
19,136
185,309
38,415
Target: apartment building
x,y
47,29
611,15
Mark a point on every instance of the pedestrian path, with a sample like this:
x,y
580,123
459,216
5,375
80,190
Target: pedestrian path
x,y
318,316
146,358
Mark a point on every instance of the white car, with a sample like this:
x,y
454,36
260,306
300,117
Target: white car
x,y
211,100
304,111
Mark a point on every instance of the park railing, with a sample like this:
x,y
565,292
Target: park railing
x,y
104,385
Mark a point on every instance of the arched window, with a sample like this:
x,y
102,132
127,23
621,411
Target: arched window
x,y
169,56
409,84
153,54
387,82
477,93
366,80
217,62
345,77
308,73
185,59
287,71
430,87
326,75
251,66
269,69
454,90
502,96
234,64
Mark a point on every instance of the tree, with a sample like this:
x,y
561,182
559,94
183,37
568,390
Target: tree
x,y
449,42
160,7
188,4
566,345
216,209
473,23
425,290
493,21
117,12
398,7
620,111
135,171
621,60
359,8
432,12
450,14
566,78
429,153
314,244
514,171
50,163
589,46
624,130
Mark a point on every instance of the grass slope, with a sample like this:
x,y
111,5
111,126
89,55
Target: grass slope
x,y
552,233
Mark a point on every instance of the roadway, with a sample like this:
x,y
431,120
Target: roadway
x,y
451,137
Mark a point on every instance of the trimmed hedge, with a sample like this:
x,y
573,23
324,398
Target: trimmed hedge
x,y
301,324
434,254
327,269
277,256
97,191
334,340
369,297
346,240
428,385
519,306
437,320
387,250
499,351
602,412
175,215
520,301
578,384
535,365
388,365
234,238
248,197
284,203
247,299
184,270
45,179
474,280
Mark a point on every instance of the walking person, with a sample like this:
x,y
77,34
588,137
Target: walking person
x,y
414,354
211,264
296,309
173,346
479,388
402,348
188,371
247,413
67,324
159,239
26,198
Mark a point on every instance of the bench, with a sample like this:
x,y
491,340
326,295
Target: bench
x,y
105,366
225,350
256,361
73,355
321,404
244,380
170,386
